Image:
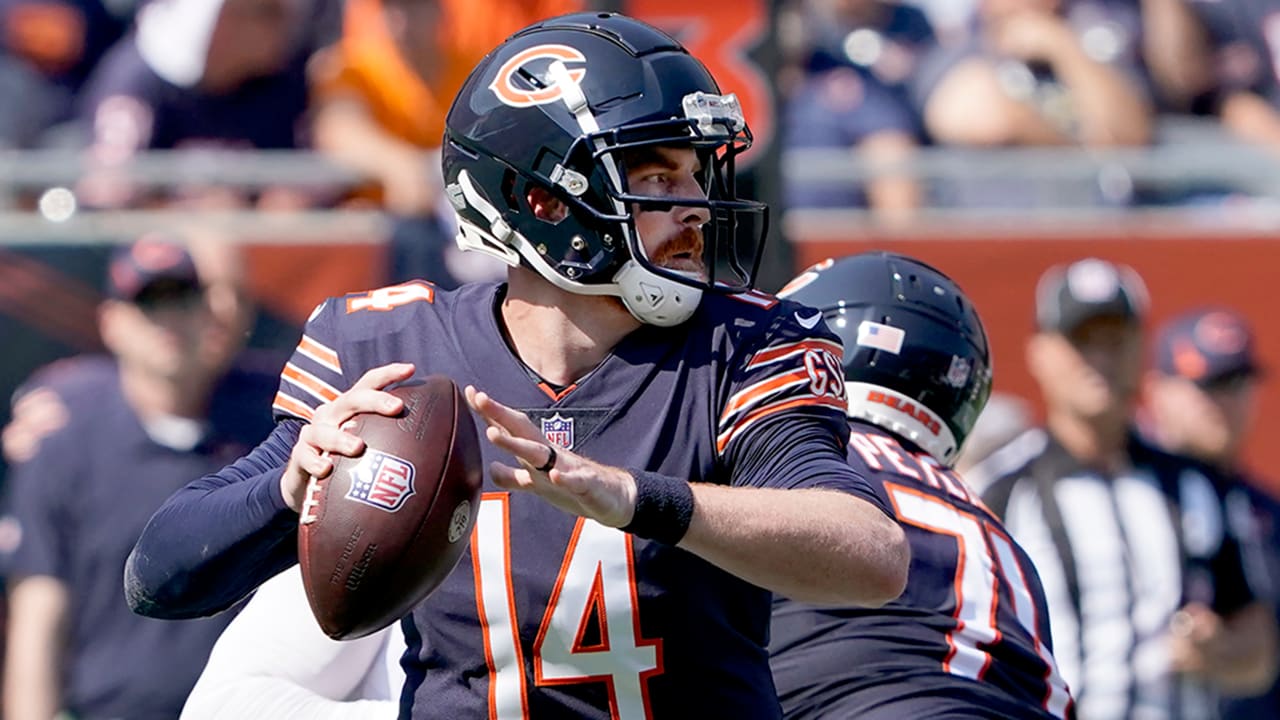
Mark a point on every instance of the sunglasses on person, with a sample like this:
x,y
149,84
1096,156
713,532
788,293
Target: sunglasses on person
x,y
1230,382
169,295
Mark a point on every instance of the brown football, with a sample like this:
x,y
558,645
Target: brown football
x,y
384,529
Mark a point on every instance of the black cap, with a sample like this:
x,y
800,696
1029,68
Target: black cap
x,y
1207,346
149,263
1068,295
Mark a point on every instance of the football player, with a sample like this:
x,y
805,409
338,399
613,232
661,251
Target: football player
x,y
969,638
663,443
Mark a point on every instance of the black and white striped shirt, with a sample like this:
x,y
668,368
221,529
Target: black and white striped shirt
x,y
1118,555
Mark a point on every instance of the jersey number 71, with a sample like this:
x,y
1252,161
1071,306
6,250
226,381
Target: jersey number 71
x,y
987,570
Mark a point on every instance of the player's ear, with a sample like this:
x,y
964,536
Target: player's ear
x,y
546,206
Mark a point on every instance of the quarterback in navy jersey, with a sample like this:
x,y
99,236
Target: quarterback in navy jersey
x,y
662,442
969,637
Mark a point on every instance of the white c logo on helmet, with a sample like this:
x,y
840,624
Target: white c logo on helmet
x,y
522,92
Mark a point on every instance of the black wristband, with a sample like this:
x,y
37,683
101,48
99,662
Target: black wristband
x,y
664,507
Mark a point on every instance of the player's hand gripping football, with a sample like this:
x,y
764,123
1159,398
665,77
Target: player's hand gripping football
x,y
565,479
324,436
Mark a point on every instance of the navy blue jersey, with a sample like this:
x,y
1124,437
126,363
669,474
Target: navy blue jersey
x,y
549,615
81,502
969,637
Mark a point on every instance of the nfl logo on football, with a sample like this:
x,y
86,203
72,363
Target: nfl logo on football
x,y
381,480
558,431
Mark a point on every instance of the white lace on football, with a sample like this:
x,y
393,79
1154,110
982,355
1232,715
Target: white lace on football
x,y
308,514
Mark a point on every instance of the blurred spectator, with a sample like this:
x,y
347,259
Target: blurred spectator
x,y
1219,58
849,90
96,442
885,38
1201,394
47,49
1042,72
843,110
224,276
1004,418
381,94
274,661
1152,614
1175,49
196,74
1202,388
950,18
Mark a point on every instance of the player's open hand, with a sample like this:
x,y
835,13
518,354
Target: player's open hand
x,y
326,435
565,479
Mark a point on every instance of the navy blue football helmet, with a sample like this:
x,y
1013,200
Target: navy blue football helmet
x,y
560,105
916,360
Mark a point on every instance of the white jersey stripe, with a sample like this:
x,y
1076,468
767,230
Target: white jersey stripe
x,y
1024,607
786,351
308,383
762,412
322,355
742,402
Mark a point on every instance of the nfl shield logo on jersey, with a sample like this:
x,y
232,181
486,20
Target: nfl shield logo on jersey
x,y
558,430
381,480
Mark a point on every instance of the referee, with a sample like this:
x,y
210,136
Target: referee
x,y
1152,615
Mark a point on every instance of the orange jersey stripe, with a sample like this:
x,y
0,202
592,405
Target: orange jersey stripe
x,y
292,406
755,392
727,436
311,384
321,354
556,396
774,354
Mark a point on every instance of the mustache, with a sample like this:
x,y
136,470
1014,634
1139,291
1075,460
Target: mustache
x,y
689,240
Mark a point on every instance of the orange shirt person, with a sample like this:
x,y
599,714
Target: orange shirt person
x,y
383,90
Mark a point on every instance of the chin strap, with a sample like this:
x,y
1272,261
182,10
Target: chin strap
x,y
655,300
